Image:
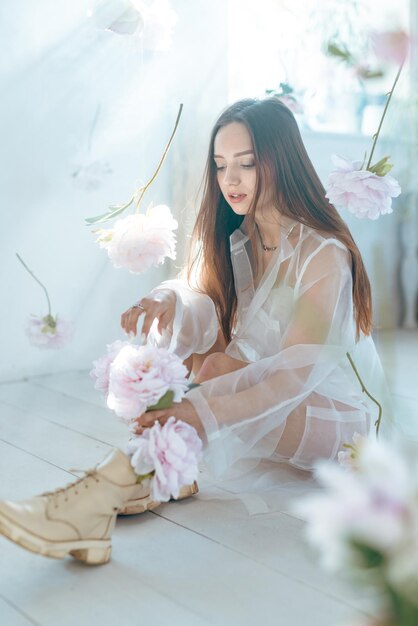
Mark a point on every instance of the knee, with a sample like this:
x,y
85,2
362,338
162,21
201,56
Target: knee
x,y
213,365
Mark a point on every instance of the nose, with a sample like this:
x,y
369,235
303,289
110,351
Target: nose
x,y
231,176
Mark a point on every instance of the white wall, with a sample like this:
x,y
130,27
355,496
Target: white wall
x,y
58,68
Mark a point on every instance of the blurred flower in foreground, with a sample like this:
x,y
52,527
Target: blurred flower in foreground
x,y
360,191
171,453
46,331
138,242
367,520
391,46
349,457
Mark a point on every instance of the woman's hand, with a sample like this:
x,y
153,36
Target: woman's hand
x,y
160,305
183,410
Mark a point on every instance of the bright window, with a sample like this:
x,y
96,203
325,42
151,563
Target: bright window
x,y
283,41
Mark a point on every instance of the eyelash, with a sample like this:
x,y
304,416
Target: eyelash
x,y
246,167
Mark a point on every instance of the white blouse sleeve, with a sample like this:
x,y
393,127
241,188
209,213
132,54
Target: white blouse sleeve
x,y
301,403
195,325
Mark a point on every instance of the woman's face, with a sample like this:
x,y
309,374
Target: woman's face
x,y
236,174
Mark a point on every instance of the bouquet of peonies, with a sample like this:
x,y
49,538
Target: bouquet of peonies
x,y
366,521
136,379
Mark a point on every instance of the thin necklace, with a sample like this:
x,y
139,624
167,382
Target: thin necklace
x,y
272,248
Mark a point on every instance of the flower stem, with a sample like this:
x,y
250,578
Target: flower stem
x,y
38,281
363,388
154,176
376,135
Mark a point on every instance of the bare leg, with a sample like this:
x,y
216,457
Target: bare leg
x,y
195,361
218,364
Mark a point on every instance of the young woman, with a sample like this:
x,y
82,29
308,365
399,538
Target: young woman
x,y
276,295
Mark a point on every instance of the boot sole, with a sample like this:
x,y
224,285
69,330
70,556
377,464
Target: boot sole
x,y
91,552
140,505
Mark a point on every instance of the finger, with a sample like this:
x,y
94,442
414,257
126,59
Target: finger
x,y
132,322
162,323
147,420
148,320
123,320
126,321
138,430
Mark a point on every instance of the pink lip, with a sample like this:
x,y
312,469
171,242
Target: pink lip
x,y
238,198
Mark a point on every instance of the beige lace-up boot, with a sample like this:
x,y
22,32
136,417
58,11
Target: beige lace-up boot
x,y
141,500
77,519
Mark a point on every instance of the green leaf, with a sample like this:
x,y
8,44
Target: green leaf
x,y
370,558
382,167
370,74
165,402
142,477
192,386
334,50
286,88
106,216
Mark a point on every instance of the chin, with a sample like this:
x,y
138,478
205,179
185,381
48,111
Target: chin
x,y
239,210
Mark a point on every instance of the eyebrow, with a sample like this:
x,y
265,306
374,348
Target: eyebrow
x,y
237,154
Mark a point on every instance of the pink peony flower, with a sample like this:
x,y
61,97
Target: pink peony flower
x,y
101,367
361,192
48,331
391,46
138,242
140,376
171,451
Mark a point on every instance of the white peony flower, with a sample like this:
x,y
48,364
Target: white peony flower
x,y
138,242
348,457
140,376
359,191
101,367
119,16
48,331
171,451
159,22
372,506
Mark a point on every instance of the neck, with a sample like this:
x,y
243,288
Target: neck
x,y
272,228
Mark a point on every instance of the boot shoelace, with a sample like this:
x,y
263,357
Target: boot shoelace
x,y
89,474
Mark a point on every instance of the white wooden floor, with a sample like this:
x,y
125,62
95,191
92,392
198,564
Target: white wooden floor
x,y
188,563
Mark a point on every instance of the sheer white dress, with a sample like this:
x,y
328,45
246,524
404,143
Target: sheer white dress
x,y
298,399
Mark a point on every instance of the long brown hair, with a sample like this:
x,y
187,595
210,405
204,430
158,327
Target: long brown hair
x,y
281,157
